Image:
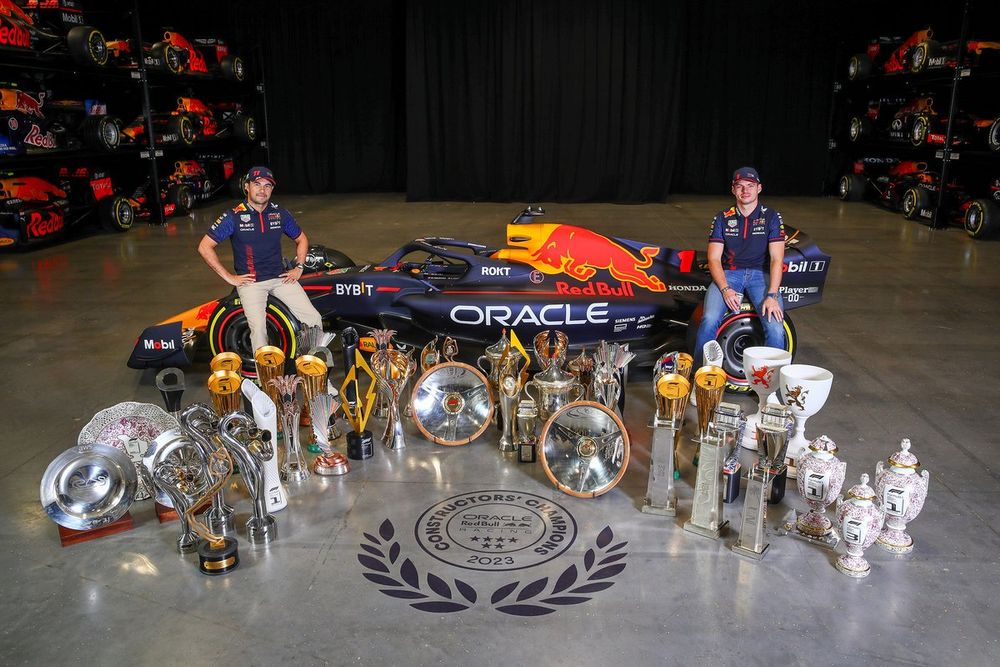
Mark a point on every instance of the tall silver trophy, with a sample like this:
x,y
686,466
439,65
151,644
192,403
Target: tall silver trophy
x,y
392,370
773,433
610,374
201,424
722,437
671,392
251,447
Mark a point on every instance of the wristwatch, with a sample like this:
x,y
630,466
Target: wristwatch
x,y
772,295
300,265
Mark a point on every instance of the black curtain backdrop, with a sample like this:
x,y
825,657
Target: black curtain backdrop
x,y
552,100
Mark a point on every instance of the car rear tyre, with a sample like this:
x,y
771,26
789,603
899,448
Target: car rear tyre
x,y
228,331
859,128
859,66
169,57
101,132
914,200
116,214
921,54
851,187
87,46
993,137
184,128
181,197
919,130
232,68
982,218
244,127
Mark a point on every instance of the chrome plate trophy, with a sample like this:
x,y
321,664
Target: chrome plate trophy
x,y
772,440
761,367
820,479
901,492
201,425
722,438
585,449
392,370
452,404
130,427
512,373
170,382
251,447
804,390
670,391
265,414
359,440
860,520
294,468
178,470
88,486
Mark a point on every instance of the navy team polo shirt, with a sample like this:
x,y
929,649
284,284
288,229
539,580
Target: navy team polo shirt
x,y
746,238
256,238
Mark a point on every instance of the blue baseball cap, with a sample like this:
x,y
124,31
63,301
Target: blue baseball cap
x,y
746,174
260,172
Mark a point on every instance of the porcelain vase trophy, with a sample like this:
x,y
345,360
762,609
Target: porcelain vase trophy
x,y
772,441
820,479
860,520
761,367
670,392
901,493
804,390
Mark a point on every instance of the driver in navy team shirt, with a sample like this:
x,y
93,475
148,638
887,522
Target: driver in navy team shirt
x,y
746,252
255,227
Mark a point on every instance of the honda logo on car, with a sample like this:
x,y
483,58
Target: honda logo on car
x,y
553,314
805,266
159,344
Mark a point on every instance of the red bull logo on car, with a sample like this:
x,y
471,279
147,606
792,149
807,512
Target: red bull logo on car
x,y
579,253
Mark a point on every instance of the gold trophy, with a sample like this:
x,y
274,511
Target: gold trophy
x,y
226,361
709,385
224,387
313,372
671,394
430,356
550,348
270,362
359,441
511,376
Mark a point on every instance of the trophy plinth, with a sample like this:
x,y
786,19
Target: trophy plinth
x,y
331,465
262,530
360,446
706,508
218,559
70,536
661,497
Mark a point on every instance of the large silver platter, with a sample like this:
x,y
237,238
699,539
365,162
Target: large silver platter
x,y
88,486
585,449
451,403
177,449
130,427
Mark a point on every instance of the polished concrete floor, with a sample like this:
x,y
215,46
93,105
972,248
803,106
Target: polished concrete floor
x,y
908,325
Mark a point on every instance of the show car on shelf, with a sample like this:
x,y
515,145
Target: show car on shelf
x,y
34,210
550,276
191,182
32,122
918,53
52,27
194,120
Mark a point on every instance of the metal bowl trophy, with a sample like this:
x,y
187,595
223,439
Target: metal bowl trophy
x,y
392,370
761,366
554,386
251,447
722,439
451,401
294,467
670,392
901,492
265,414
201,424
359,439
772,441
820,479
170,382
804,390
512,373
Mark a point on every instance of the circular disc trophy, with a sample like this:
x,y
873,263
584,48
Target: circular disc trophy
x,y
804,390
761,367
585,449
452,404
88,486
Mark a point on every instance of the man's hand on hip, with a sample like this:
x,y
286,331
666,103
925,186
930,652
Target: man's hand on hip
x,y
291,275
240,280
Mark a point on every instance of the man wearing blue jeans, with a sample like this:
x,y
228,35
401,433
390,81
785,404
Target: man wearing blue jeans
x,y
746,250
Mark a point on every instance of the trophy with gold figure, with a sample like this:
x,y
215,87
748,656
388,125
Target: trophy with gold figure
x,y
670,391
392,369
512,373
359,440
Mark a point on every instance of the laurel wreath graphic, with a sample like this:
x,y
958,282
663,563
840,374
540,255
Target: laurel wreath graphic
x,y
401,579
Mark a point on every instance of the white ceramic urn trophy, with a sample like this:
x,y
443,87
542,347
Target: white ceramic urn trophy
x,y
860,520
901,493
820,479
804,389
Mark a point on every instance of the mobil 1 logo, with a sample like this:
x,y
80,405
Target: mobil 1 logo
x,y
495,530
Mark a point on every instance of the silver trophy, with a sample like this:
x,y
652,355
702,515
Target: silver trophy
x,y
773,433
584,449
671,393
329,462
392,372
489,363
294,468
525,438
183,482
201,424
265,414
170,382
722,438
324,354
251,447
610,374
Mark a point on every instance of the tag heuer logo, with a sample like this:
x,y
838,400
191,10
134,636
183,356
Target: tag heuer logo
x,y
731,223
245,218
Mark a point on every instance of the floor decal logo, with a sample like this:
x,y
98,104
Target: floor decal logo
x,y
532,522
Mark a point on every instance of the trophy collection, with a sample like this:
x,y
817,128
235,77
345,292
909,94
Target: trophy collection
x,y
568,417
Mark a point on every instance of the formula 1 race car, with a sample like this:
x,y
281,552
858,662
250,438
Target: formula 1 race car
x,y
192,181
900,185
917,53
193,120
31,122
35,210
176,54
52,27
551,276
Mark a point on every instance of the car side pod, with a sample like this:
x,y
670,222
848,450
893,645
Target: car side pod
x,y
159,346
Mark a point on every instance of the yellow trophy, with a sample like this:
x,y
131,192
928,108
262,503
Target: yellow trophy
x,y
359,441
709,385
224,387
226,361
670,393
